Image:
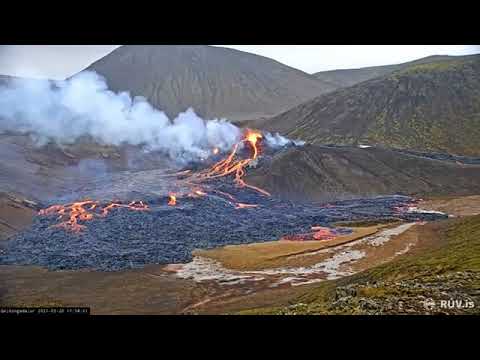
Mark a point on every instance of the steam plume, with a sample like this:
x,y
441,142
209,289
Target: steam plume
x,y
63,111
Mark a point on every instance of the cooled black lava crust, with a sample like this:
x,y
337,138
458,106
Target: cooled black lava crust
x,y
164,234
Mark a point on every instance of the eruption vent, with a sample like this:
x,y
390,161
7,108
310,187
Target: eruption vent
x,y
231,165
73,215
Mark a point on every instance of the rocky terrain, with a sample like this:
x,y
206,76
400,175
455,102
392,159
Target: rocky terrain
x,y
164,234
216,82
424,107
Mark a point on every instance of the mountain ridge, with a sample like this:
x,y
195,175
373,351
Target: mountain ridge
x,y
426,107
216,82
348,77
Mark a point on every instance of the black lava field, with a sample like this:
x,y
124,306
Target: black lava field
x,y
168,234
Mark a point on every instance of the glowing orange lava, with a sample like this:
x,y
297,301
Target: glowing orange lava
x,y
245,206
83,211
173,200
230,165
134,205
319,233
233,166
73,215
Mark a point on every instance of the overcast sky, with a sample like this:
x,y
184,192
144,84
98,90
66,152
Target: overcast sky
x,y
60,61
315,58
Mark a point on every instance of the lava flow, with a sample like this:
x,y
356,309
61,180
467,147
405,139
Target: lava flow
x,y
319,233
71,214
245,206
231,165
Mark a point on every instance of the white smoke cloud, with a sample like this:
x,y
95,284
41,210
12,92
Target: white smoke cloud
x,y
276,140
63,111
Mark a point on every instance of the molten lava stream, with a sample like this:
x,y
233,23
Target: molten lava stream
x,y
71,214
134,205
230,165
319,233
245,206
227,166
74,212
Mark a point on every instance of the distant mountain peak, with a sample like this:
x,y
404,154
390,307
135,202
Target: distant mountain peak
x,y
216,82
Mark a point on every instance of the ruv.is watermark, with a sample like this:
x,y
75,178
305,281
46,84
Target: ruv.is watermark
x,y
431,304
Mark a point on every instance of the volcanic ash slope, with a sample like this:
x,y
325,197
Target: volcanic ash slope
x,y
323,173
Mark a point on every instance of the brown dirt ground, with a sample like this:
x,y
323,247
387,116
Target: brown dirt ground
x,y
458,206
146,291
15,215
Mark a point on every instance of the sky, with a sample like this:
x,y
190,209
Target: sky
x,y
61,61
315,58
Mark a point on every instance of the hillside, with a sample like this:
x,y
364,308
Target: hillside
x,y
426,107
349,77
321,173
215,81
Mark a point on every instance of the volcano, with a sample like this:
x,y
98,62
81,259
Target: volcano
x,y
103,196
216,206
